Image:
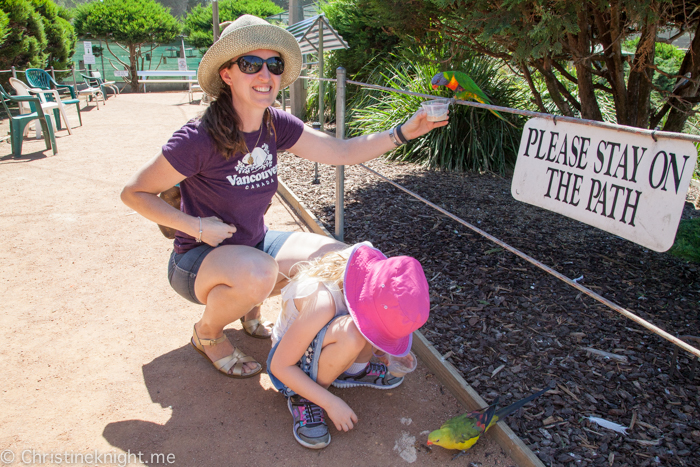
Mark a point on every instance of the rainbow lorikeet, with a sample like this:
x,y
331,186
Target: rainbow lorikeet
x,y
464,87
463,431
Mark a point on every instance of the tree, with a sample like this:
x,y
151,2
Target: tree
x,y
60,35
131,24
26,42
369,42
573,46
37,33
193,3
198,23
4,22
177,7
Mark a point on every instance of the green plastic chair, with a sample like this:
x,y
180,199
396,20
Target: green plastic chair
x,y
19,122
21,89
105,84
38,78
93,90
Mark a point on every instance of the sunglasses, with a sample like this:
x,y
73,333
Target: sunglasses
x,y
250,64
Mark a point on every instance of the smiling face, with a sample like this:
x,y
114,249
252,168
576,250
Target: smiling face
x,y
252,92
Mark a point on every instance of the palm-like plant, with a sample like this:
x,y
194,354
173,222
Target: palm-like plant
x,y
475,139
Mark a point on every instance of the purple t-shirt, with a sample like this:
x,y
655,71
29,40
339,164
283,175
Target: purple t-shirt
x,y
237,190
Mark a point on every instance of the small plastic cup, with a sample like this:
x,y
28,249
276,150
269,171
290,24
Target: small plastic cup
x,y
436,109
399,366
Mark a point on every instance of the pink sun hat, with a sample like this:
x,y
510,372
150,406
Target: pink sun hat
x,y
388,298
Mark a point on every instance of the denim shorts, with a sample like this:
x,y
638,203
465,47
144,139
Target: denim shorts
x,y
183,267
308,362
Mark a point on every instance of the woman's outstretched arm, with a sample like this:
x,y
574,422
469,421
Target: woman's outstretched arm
x,y
317,146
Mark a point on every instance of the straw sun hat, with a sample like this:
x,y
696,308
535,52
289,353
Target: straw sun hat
x,y
244,35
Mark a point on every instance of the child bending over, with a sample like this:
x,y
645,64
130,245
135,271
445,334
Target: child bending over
x,y
336,311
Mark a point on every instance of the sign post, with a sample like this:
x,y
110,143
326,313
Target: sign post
x,y
88,57
633,186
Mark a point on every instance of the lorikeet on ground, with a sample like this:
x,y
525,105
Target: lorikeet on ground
x,y
463,431
464,87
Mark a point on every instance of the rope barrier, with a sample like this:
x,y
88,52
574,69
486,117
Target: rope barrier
x,y
57,71
313,78
555,118
656,330
639,131
528,113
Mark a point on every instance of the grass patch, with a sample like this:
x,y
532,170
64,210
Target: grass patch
x,y
687,244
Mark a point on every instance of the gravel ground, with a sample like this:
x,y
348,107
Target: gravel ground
x,y
510,328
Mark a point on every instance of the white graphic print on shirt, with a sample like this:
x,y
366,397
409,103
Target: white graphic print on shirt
x,y
255,169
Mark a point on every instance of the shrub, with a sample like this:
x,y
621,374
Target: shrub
x,y
369,42
60,35
687,244
198,25
475,139
4,30
36,33
25,45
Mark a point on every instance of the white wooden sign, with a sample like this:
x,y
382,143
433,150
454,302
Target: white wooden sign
x,y
620,182
182,64
121,73
89,59
88,47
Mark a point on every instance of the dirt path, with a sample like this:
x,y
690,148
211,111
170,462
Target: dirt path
x,y
96,356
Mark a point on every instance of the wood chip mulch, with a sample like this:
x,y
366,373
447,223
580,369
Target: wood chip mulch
x,y
511,328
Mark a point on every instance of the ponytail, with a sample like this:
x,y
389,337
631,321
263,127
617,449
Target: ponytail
x,y
222,123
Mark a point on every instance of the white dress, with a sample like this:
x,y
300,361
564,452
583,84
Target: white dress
x,y
300,288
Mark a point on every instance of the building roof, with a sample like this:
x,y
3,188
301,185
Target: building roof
x,y
306,33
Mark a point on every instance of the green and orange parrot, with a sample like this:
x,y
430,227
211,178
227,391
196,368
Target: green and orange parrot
x,y
463,431
464,87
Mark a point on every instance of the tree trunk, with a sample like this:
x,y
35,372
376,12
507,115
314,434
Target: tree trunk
x,y
580,45
681,108
545,69
133,67
609,33
639,84
533,88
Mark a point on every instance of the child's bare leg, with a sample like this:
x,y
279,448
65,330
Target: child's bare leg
x,y
342,346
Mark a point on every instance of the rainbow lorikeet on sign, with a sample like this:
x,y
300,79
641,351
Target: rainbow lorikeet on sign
x,y
464,87
463,431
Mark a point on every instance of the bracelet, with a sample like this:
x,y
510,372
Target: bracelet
x,y
393,138
402,138
199,239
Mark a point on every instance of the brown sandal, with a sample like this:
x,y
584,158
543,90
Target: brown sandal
x,y
224,364
253,328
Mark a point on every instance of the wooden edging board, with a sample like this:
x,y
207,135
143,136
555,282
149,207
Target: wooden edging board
x,y
446,373
467,396
306,216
